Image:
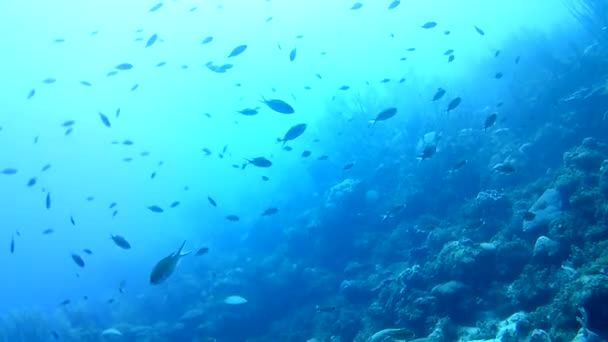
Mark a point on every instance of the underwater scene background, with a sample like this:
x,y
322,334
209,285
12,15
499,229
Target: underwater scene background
x,y
338,171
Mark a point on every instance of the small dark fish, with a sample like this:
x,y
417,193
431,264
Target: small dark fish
x,y
68,131
45,168
454,103
151,41
292,55
344,87
448,52
516,60
174,204
394,4
265,179
428,152
65,302
104,119
207,40
385,80
278,106
504,168
193,9
325,308
393,212
259,162
127,159
498,75
480,31
112,73
447,32
31,182
156,7
48,200
348,166
206,151
528,216
48,231
269,19
112,205
161,64
55,334
305,154
270,211
293,132
439,94
212,201
153,175
319,76
451,58
12,244
87,251
124,66
120,241
237,50
202,251
114,213
127,142
459,165
490,121
78,260
135,86
155,209
31,94
59,40
384,115
232,218
356,6
49,80
86,83
429,25
497,53
248,111
323,157
72,220
68,123
287,148
9,171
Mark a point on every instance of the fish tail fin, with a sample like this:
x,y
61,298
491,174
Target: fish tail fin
x,y
279,140
179,251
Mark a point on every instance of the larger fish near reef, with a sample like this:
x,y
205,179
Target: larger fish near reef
x,y
293,132
165,268
278,106
384,115
259,162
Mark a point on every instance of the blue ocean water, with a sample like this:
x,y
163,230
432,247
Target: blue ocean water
x,y
449,184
